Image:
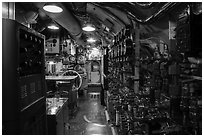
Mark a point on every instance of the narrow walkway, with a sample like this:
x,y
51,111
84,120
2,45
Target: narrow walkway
x,y
89,119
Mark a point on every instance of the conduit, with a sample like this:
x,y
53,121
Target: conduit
x,y
113,131
130,10
65,19
107,116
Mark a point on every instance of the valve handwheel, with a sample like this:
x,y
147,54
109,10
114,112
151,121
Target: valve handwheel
x,y
70,73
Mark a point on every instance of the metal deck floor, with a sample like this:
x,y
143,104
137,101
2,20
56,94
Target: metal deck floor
x,y
89,119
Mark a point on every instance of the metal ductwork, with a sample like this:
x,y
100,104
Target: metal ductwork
x,y
144,5
66,20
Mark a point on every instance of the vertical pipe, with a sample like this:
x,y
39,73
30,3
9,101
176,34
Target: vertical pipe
x,y
113,131
107,116
8,10
137,57
12,10
102,65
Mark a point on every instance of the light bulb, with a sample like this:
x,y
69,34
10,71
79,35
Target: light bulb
x,y
91,40
88,28
53,27
52,8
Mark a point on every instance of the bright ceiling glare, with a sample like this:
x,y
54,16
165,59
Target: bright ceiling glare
x,y
52,8
53,27
91,40
88,28
51,62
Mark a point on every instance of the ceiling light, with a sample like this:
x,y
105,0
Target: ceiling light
x,y
51,62
91,40
53,27
88,28
51,7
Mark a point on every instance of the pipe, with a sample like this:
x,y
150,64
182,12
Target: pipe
x,y
144,5
133,15
113,131
164,8
111,14
107,116
65,19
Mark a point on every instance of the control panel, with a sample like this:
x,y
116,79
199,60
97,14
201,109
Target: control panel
x,y
23,80
31,53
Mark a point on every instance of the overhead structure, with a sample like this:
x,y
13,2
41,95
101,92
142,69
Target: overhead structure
x,y
105,19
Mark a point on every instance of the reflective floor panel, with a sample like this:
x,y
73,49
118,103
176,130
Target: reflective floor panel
x,y
89,118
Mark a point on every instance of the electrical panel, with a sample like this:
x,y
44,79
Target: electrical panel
x,y
169,98
23,90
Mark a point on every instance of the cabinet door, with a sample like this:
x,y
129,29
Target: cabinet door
x,y
66,119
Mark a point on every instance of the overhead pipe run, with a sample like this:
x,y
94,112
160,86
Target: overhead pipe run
x,y
107,20
117,19
69,21
120,14
164,8
130,11
104,34
66,20
144,4
156,15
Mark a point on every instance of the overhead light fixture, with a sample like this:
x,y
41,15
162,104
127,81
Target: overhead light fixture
x,y
52,7
88,27
91,40
51,62
54,27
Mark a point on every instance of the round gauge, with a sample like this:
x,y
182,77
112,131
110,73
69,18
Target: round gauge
x,y
80,49
72,58
81,59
